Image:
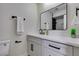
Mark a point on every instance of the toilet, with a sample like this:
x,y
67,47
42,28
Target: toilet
x,y
4,47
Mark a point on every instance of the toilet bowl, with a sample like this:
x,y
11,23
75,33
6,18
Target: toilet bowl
x,y
4,47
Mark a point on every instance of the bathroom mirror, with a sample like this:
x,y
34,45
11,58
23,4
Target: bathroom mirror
x,y
55,18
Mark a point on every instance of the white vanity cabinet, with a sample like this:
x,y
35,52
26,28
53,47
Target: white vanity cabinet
x,y
42,47
33,47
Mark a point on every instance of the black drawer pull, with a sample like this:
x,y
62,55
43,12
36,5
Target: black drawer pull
x,y
18,41
54,47
32,47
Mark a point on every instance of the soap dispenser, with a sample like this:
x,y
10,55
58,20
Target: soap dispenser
x,y
73,33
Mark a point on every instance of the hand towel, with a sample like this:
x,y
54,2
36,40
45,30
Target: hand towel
x,y
20,26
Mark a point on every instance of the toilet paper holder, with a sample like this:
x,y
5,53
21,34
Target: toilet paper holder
x,y
18,41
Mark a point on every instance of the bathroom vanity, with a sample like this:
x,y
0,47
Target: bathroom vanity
x,y
42,45
53,45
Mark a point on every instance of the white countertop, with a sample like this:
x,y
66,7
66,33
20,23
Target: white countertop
x,y
64,40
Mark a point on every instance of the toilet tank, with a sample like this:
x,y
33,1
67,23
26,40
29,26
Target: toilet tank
x,y
4,47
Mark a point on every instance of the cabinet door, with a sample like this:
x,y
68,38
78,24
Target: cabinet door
x,y
76,51
49,52
34,49
60,48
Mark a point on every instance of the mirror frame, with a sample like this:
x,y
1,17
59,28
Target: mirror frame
x,y
56,7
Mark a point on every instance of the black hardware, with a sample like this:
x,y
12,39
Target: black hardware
x,y
14,16
54,47
24,19
18,41
32,47
77,9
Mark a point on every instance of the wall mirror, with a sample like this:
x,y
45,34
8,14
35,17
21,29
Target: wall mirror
x,y
55,18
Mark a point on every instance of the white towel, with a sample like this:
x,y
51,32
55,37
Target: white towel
x,y
20,26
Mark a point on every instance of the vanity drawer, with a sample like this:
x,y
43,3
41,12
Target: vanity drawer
x,y
34,39
61,48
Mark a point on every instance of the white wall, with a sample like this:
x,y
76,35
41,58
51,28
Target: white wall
x,y
8,26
